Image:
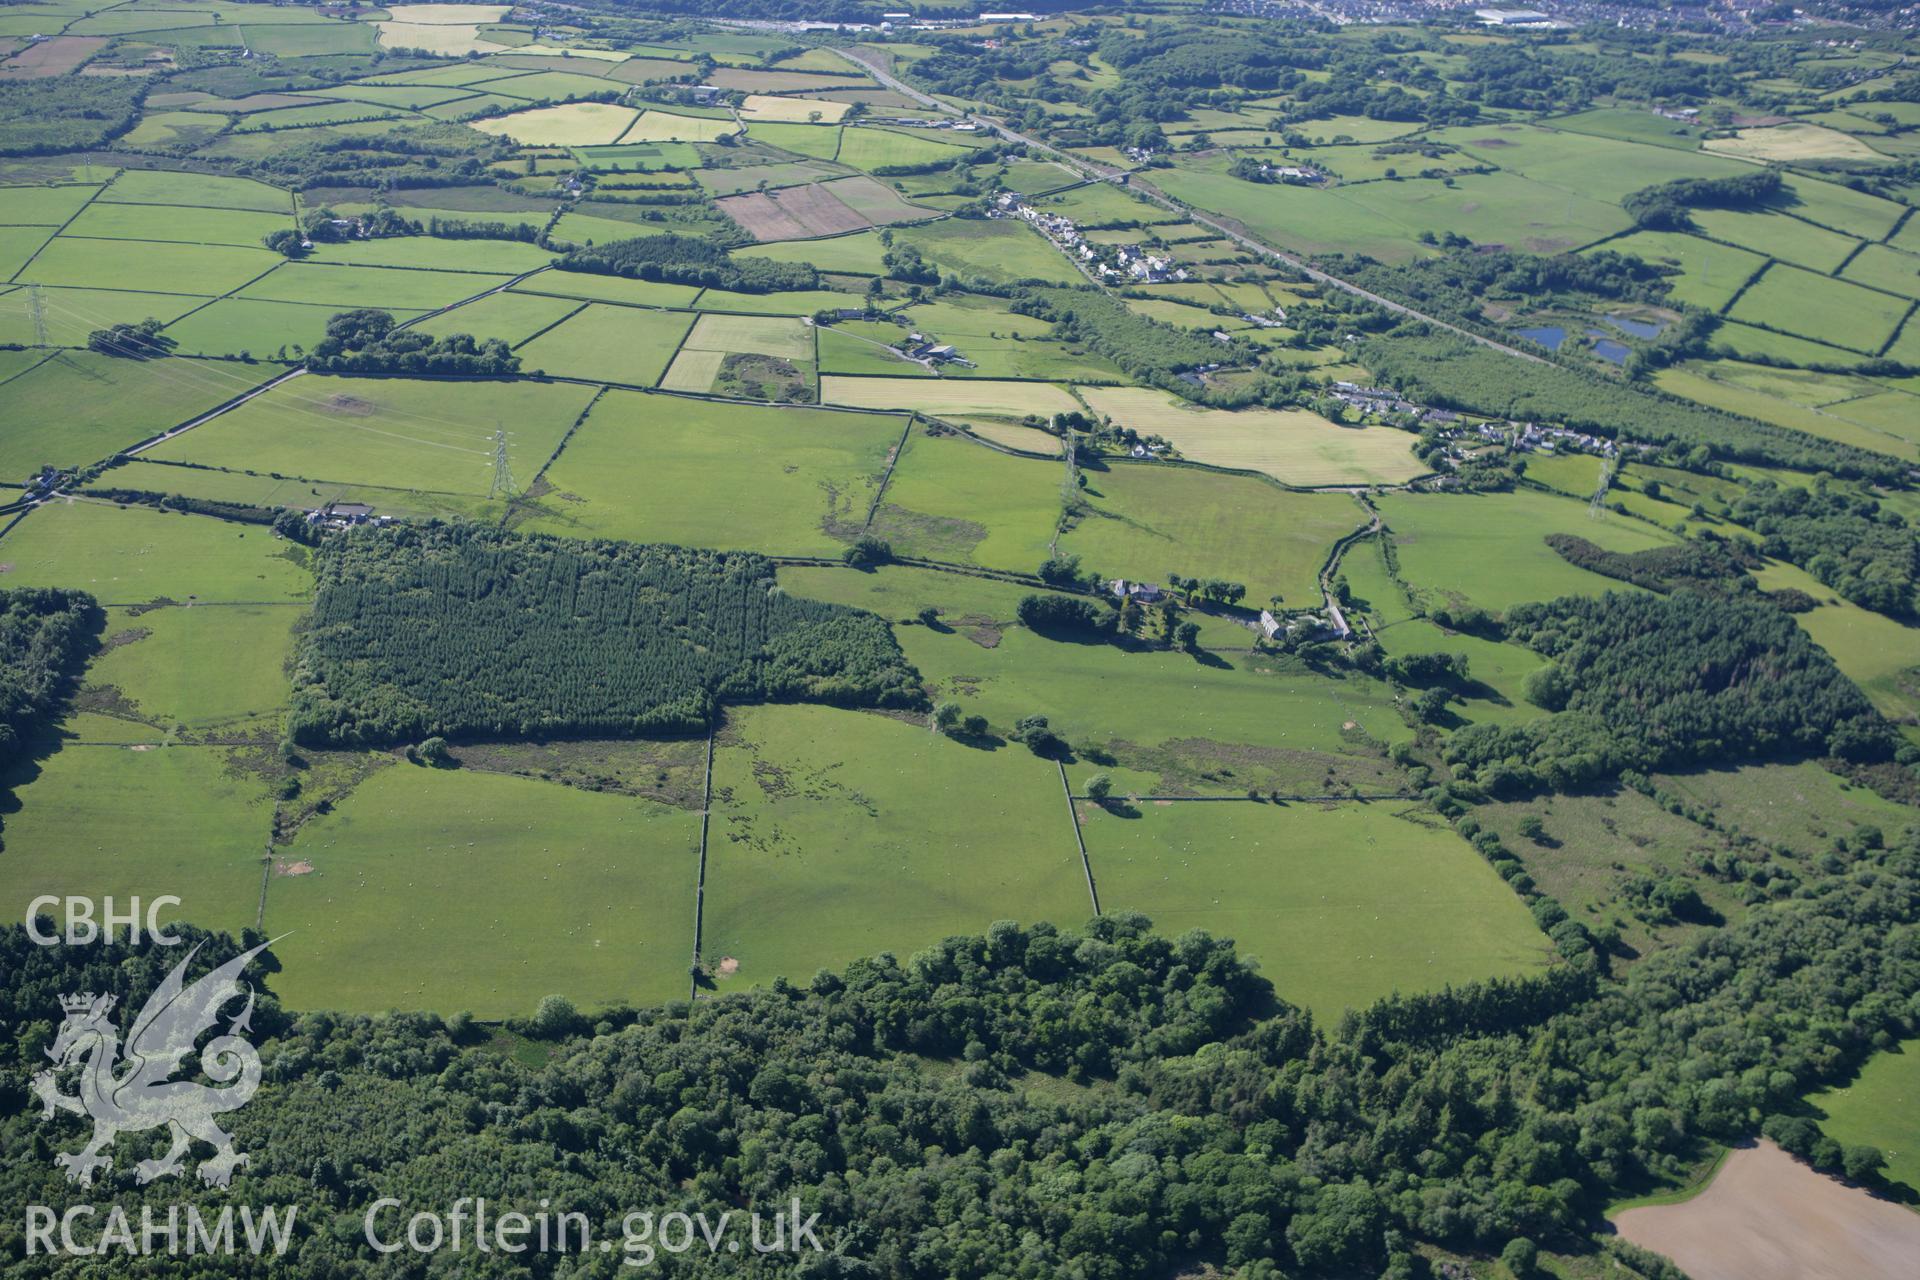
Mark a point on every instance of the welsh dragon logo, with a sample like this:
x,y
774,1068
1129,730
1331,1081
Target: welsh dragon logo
x,y
137,1092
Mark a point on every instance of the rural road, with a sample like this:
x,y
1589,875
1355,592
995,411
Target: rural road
x,y
1105,173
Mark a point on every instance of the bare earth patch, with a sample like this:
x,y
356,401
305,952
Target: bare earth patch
x,y
299,867
727,967
1766,1216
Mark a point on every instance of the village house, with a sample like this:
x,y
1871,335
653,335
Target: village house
x,y
1138,592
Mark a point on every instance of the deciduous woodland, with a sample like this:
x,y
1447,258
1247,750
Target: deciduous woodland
x,y
1212,641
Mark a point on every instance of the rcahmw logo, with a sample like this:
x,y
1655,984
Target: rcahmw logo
x,y
140,1093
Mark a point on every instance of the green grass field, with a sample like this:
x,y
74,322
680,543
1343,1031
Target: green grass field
x,y
265,490
1894,270
67,316
158,662
198,226
581,285
161,268
1710,274
1489,548
609,344
865,148
1606,169
112,820
43,206
954,500
1003,344
514,317
387,287
1880,1107
837,834
388,431
1743,341
232,326
1141,702
663,468
1775,234
157,186
135,554
791,302
434,254
1341,905
80,407
1723,385
1813,306
451,890
999,251
781,336
693,371
1143,521
1295,446
1878,653
861,348
859,253
1576,475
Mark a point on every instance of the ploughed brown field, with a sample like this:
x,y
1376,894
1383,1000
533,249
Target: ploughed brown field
x,y
1766,1216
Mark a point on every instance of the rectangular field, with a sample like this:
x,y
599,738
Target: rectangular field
x,y
949,395
567,124
956,500
164,186
80,407
534,888
386,287
836,835
161,268
760,106
1143,521
1341,904
141,822
668,469
629,345
792,213
1294,446
783,336
240,227
1814,306
134,555
1489,549
396,432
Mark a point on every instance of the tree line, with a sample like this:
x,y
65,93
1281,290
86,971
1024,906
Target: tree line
x,y
1111,1103
46,636
690,260
366,341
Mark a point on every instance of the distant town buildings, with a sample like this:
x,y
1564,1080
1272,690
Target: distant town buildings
x,y
1513,18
